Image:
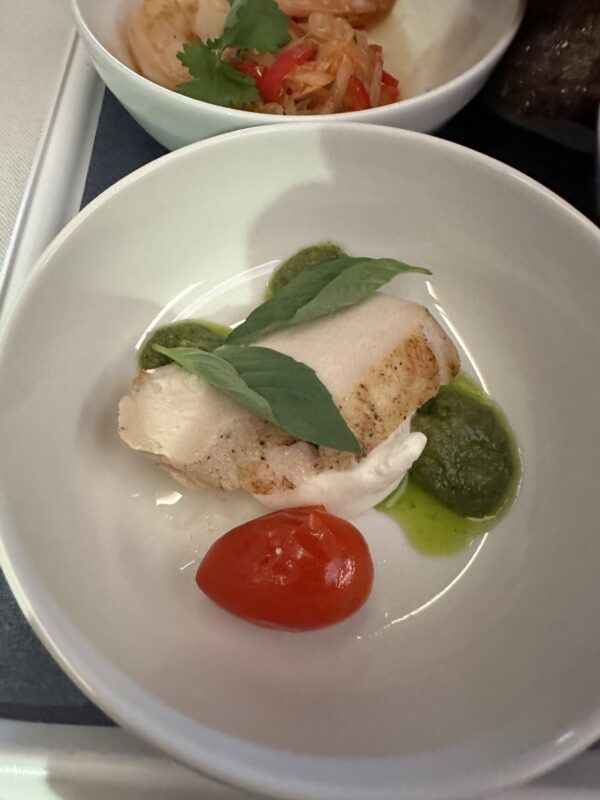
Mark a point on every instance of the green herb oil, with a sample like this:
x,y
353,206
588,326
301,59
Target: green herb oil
x,y
430,527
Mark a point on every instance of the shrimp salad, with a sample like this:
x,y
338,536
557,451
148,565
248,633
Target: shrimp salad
x,y
284,57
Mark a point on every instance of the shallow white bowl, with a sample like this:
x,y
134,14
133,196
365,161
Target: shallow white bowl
x,y
462,673
442,51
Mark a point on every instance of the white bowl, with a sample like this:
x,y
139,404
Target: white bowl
x,y
463,673
443,53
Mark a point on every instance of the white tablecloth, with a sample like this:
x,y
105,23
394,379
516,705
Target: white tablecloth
x,y
34,37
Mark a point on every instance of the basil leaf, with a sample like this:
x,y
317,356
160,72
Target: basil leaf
x,y
317,293
273,386
254,25
220,374
354,284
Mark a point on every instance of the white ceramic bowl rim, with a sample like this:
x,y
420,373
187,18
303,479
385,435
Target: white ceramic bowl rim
x,y
251,117
224,757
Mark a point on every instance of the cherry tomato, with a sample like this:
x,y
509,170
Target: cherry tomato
x,y
271,82
297,569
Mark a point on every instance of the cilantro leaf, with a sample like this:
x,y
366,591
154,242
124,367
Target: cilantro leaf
x,y
215,81
254,25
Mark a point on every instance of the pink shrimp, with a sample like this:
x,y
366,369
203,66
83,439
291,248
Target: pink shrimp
x,y
156,30
357,11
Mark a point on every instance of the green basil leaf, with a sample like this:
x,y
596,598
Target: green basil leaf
x,y
220,374
273,386
254,25
317,293
354,284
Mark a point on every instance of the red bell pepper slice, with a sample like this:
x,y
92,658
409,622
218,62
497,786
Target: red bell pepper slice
x,y
250,68
271,82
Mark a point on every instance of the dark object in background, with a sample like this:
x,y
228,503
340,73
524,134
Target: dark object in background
x,y
552,69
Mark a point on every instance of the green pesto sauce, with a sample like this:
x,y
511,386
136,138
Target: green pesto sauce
x,y
470,458
467,476
307,258
185,333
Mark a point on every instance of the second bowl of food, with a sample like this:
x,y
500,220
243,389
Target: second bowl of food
x,y
387,343
189,70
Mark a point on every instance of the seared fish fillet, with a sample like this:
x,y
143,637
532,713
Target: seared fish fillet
x,y
380,359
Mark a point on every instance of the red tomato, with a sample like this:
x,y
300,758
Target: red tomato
x,y
250,68
388,80
357,96
389,89
388,94
297,569
271,82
